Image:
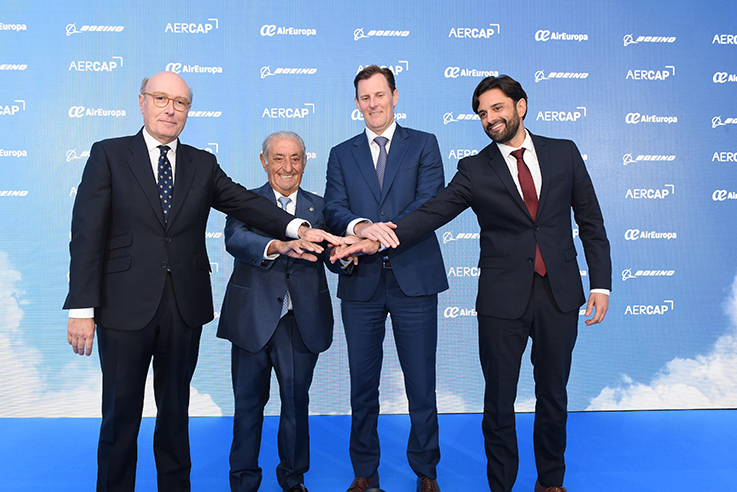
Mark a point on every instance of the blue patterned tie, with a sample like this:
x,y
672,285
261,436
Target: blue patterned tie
x,y
283,202
166,182
381,161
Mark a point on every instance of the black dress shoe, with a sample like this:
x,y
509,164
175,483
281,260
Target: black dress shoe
x,y
300,487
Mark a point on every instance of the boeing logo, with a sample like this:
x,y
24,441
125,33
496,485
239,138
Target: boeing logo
x,y
540,75
717,121
448,236
360,34
72,155
628,274
629,159
449,118
630,39
266,71
72,29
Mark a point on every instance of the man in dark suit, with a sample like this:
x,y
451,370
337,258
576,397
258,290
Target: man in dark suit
x,y
382,174
522,188
140,272
277,314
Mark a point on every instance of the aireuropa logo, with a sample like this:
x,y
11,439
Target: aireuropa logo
x,y
455,72
475,32
13,192
269,30
724,39
544,35
303,112
724,77
642,74
191,27
96,66
461,153
724,157
449,237
636,234
378,33
81,112
629,274
450,118
717,121
72,155
649,309
723,195
401,66
452,312
464,272
13,27
12,109
562,116
540,75
267,72
356,115
637,118
650,193
630,159
177,67
631,39
13,66
13,153
72,29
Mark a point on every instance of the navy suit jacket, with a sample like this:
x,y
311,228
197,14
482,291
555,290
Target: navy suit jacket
x,y
414,174
121,248
253,299
508,233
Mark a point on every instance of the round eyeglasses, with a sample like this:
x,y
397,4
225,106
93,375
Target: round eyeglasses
x,y
162,101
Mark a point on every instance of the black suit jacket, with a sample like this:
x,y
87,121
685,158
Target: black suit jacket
x,y
253,300
121,248
508,233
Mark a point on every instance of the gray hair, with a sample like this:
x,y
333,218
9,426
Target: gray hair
x,y
282,135
145,83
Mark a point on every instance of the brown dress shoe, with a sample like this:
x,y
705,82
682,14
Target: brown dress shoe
x,y
426,484
361,484
557,488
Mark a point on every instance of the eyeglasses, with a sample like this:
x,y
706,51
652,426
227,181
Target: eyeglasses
x,y
162,101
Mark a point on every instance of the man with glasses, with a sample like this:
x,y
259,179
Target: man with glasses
x,y
140,272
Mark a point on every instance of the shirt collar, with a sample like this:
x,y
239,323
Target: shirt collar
x,y
152,143
506,150
388,133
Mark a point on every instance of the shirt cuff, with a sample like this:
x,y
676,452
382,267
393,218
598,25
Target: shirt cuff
x,y
349,230
82,313
600,291
268,256
293,227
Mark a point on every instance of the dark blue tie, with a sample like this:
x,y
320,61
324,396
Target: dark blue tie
x,y
166,182
283,202
381,161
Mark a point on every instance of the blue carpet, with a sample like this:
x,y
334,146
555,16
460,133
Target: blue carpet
x,y
607,451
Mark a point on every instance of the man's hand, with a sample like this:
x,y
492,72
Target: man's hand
x,y
298,248
80,333
598,304
378,231
318,236
362,247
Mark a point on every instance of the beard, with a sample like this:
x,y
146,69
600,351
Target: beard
x,y
511,127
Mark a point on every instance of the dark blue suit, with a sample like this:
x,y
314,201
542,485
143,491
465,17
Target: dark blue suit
x,y
149,283
250,319
408,290
513,302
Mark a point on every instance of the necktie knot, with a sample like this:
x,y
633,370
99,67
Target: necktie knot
x,y
284,201
164,149
381,141
518,154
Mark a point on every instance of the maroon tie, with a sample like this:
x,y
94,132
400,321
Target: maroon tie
x,y
530,197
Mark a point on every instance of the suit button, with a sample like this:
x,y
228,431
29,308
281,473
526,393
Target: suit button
x,y
530,260
288,275
536,228
280,300
168,239
383,212
163,264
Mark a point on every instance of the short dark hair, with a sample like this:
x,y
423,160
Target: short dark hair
x,y
510,87
372,70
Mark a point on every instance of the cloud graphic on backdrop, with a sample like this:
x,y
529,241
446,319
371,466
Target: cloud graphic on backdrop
x,y
24,391
707,381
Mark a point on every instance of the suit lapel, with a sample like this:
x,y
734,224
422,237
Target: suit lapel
x,y
499,165
399,146
139,162
185,173
365,164
544,159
